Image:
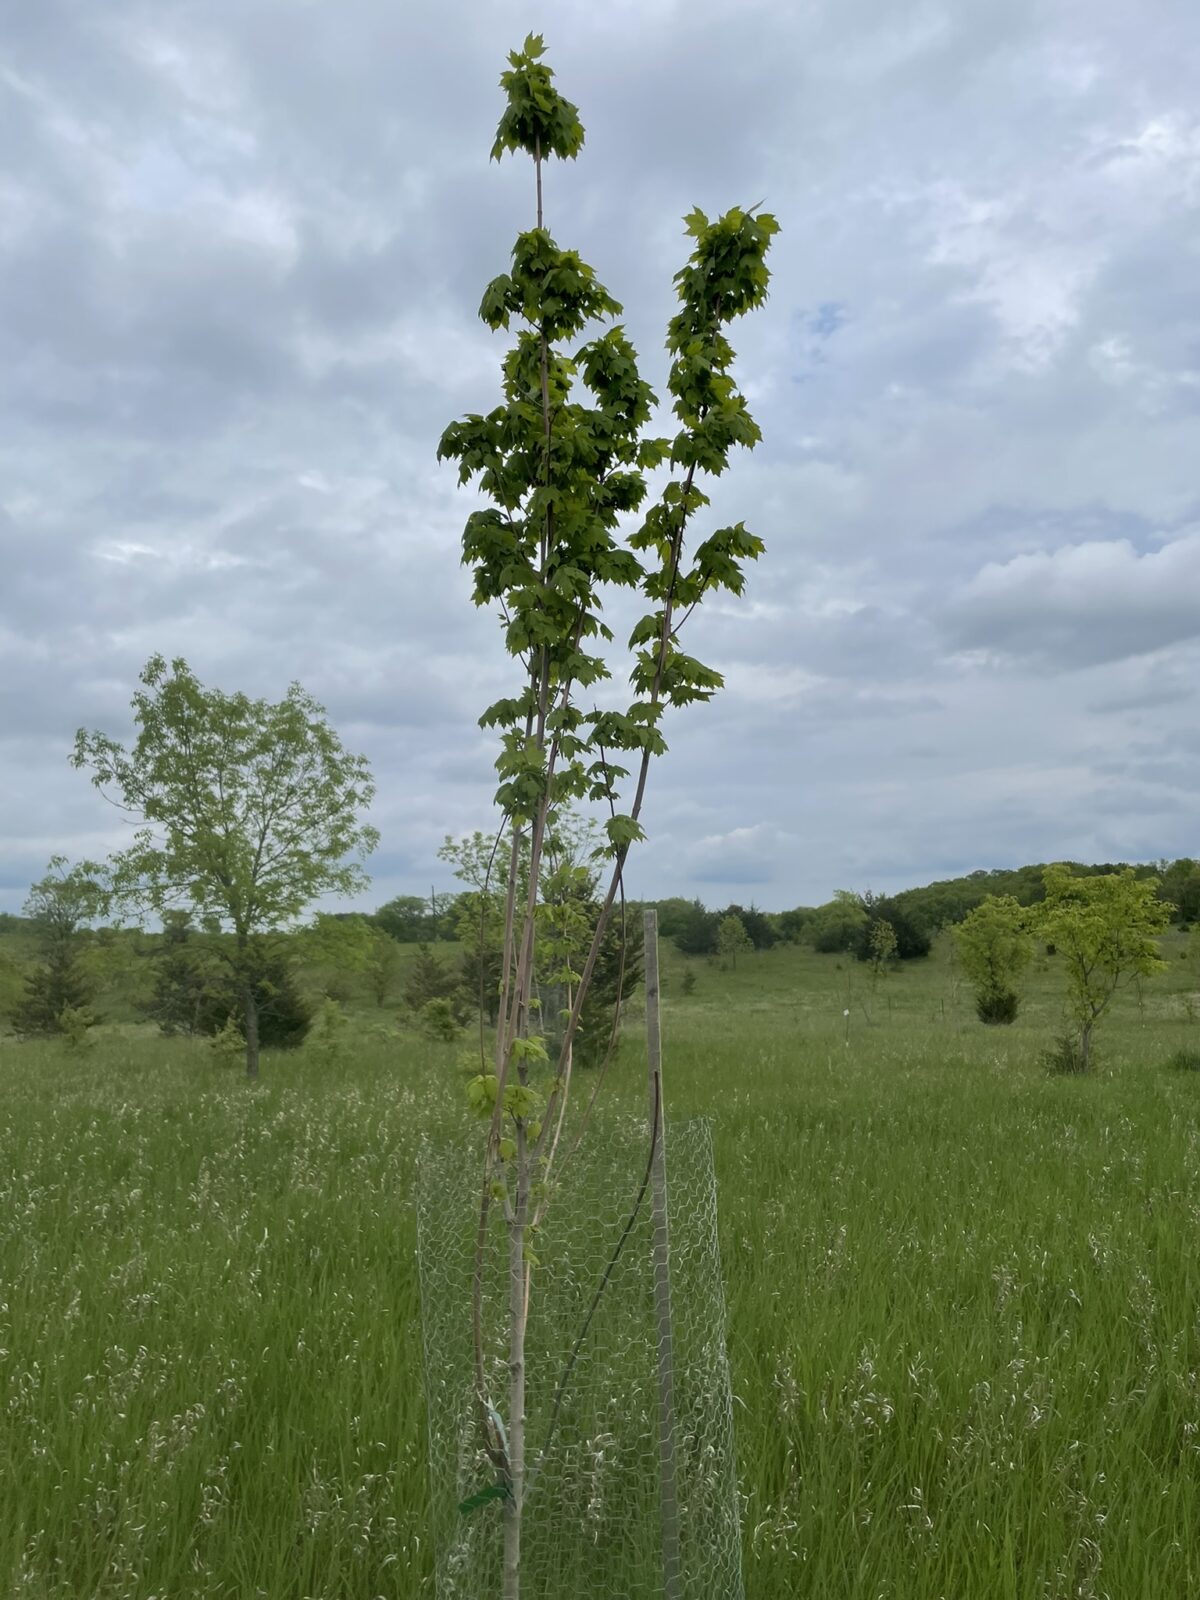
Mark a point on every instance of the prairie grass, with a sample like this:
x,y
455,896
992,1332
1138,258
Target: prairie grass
x,y
964,1299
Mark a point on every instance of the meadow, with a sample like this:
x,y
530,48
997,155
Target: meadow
x,y
963,1297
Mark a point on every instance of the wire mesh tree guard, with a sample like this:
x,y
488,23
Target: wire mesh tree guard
x,y
596,1520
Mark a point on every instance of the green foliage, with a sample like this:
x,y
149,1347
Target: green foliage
x,y
912,939
1180,888
343,947
59,986
839,925
883,946
75,1024
536,118
696,930
562,461
997,1006
429,979
995,948
1185,1059
793,925
1065,1058
759,926
284,1015
438,1020
733,940
327,1039
191,979
250,809
617,973
1105,929
228,1043
417,919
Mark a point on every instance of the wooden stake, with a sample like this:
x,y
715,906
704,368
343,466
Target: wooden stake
x,y
668,1474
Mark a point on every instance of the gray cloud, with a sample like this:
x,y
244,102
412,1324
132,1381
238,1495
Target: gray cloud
x,y
241,248
1082,604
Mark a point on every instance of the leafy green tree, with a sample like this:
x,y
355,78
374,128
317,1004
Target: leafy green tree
x,y
758,925
562,459
912,939
59,905
884,947
429,979
994,947
673,913
839,924
696,930
250,811
191,978
417,919
793,925
282,1014
342,948
1106,929
382,967
1180,887
733,940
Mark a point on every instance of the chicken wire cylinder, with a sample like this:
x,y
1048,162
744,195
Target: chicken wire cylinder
x,y
592,1522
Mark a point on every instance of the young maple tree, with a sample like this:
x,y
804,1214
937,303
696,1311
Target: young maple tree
x,y
564,460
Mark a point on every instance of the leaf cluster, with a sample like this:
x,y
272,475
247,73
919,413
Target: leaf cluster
x,y
249,809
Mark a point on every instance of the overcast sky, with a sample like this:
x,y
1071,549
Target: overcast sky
x,y
242,244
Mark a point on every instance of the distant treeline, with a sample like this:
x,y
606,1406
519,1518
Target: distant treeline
x,y
916,914
845,922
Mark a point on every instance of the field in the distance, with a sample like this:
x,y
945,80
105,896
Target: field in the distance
x,y
963,1299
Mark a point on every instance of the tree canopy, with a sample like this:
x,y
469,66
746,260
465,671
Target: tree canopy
x,y
249,810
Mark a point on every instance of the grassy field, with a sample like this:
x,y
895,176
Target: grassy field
x,y
964,1299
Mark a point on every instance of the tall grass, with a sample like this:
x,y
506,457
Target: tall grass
x,y
963,1301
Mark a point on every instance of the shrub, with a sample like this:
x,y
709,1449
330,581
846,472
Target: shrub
x,y
284,1016
997,1005
327,1040
75,1023
438,1020
58,986
428,979
1065,1057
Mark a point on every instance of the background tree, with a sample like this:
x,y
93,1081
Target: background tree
x,y
250,810
1105,928
758,925
733,940
1180,888
418,919
343,948
59,905
994,948
793,924
428,979
696,930
838,924
912,938
190,976
884,947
